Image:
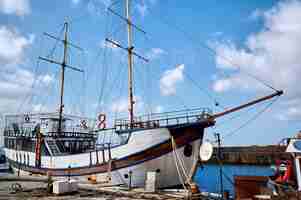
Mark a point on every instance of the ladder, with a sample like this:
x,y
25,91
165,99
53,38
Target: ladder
x,y
52,147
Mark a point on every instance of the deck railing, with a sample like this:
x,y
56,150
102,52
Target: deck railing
x,y
157,120
28,132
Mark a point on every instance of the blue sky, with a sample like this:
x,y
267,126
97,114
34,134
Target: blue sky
x,y
260,36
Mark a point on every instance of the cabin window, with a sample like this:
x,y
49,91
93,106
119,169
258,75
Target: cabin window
x,y
109,136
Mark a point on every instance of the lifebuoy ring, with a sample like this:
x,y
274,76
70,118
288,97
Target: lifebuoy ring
x,y
101,121
27,118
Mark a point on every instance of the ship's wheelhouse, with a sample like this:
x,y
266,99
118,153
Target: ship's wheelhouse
x,y
21,133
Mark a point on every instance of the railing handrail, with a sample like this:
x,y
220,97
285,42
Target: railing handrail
x,y
164,115
11,132
166,118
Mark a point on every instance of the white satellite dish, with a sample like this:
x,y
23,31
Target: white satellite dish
x,y
206,151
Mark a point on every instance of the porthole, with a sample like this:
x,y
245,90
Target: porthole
x,y
188,150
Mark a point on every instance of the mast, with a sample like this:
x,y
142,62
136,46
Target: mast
x,y
131,53
130,63
63,65
63,77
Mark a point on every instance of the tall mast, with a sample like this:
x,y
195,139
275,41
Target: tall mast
x,y
65,41
130,63
63,65
131,53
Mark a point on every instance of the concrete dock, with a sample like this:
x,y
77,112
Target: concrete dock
x,y
36,188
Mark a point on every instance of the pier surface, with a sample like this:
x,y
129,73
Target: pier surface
x,y
36,189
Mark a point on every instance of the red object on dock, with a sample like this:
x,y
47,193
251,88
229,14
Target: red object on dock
x,y
284,175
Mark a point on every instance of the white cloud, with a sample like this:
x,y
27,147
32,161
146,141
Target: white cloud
x,y
18,7
272,55
12,45
155,53
16,84
45,80
169,80
291,113
122,105
15,81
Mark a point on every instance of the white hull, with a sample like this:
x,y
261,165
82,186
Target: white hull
x,y
167,177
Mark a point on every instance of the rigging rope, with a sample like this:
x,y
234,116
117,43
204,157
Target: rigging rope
x,y
176,163
222,123
205,91
211,50
31,92
105,68
231,133
50,55
144,89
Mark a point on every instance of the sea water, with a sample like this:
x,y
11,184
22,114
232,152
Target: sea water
x,y
208,177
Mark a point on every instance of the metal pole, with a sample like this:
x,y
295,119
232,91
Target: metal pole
x,y
217,135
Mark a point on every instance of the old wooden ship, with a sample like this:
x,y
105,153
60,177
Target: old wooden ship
x,y
53,144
